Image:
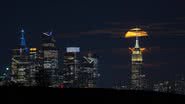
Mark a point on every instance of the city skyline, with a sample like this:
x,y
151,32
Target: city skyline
x,y
101,30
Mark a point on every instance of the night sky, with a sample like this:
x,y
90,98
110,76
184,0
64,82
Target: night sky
x,y
99,26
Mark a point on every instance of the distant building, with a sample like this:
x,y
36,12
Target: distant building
x,y
136,66
164,86
137,78
144,84
71,67
34,66
88,73
176,86
121,86
20,62
48,60
179,86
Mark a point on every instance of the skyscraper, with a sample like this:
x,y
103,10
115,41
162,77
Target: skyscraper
x,y
137,78
71,67
88,73
20,62
180,86
34,66
48,57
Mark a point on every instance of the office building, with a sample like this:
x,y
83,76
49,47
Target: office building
x,y
20,63
88,73
48,60
137,76
71,67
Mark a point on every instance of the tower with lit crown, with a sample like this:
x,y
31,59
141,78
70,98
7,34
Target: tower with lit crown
x,y
137,77
20,62
137,64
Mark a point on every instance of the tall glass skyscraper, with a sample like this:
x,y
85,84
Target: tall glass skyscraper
x,y
20,62
71,67
48,60
88,73
34,66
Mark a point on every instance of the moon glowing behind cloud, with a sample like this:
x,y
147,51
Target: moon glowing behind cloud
x,y
135,32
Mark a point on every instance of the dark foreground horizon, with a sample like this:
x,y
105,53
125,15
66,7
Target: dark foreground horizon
x,y
83,91
86,95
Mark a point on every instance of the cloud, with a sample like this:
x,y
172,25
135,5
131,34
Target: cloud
x,y
152,65
120,50
171,28
117,29
119,66
98,31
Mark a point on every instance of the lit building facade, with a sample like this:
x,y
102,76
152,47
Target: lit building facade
x,y
88,73
137,77
48,60
34,66
20,63
173,86
71,67
138,80
164,86
180,86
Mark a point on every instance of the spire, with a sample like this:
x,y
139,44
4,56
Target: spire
x,y
137,43
23,41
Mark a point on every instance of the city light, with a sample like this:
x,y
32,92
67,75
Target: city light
x,y
73,49
7,68
33,49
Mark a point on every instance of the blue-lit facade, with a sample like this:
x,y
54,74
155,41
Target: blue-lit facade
x,y
20,62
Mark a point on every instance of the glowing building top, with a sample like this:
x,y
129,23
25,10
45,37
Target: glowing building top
x,y
73,49
23,40
136,58
48,40
137,43
137,52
